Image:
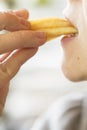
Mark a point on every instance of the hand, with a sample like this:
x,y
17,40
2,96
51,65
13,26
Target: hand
x,y
17,46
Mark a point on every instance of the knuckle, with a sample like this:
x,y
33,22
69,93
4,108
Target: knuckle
x,y
10,17
29,39
25,37
19,38
11,21
22,35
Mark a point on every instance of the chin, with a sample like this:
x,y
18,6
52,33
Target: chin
x,y
72,76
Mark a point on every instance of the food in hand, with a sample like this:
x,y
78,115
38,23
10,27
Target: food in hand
x,y
53,27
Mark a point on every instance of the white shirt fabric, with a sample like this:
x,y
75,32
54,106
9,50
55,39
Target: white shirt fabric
x,y
68,113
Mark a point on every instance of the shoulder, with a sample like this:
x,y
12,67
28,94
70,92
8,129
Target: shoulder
x,y
67,113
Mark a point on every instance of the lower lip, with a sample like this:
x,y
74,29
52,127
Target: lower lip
x,y
66,39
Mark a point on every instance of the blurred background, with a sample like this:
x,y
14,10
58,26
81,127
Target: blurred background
x,y
40,82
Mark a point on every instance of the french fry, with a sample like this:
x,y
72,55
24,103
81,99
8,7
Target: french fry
x,y
53,27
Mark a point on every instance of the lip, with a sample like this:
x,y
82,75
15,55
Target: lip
x,y
66,39
67,18
70,37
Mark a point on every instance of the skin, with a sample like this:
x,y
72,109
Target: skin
x,y
74,63
16,46
75,51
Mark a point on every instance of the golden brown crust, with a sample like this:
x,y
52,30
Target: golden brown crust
x,y
53,27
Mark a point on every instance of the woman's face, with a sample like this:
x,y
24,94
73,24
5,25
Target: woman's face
x,y
75,48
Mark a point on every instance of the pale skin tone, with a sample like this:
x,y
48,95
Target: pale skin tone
x,y
75,51
17,46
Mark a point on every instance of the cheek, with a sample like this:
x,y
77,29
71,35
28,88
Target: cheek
x,y
75,61
85,10
85,6
72,68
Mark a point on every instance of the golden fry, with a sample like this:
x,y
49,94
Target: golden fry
x,y
53,27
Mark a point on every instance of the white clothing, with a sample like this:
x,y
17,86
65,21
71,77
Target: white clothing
x,y
68,113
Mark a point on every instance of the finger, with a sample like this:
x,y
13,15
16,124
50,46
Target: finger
x,y
13,64
21,39
3,95
22,13
4,56
10,22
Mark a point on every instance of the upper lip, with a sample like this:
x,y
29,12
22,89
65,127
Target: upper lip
x,y
71,22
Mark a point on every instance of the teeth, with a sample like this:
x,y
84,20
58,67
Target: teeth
x,y
71,35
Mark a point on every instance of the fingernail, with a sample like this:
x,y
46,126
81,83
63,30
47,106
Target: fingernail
x,y
25,23
41,35
21,12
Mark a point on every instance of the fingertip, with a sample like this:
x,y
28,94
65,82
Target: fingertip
x,y
25,24
22,13
42,36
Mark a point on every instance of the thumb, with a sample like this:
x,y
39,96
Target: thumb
x,y
11,22
22,13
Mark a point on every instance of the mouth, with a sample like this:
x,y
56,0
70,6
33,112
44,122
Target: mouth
x,y
67,38
70,35
72,25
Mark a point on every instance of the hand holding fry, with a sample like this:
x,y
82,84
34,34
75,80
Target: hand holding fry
x,y
16,47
